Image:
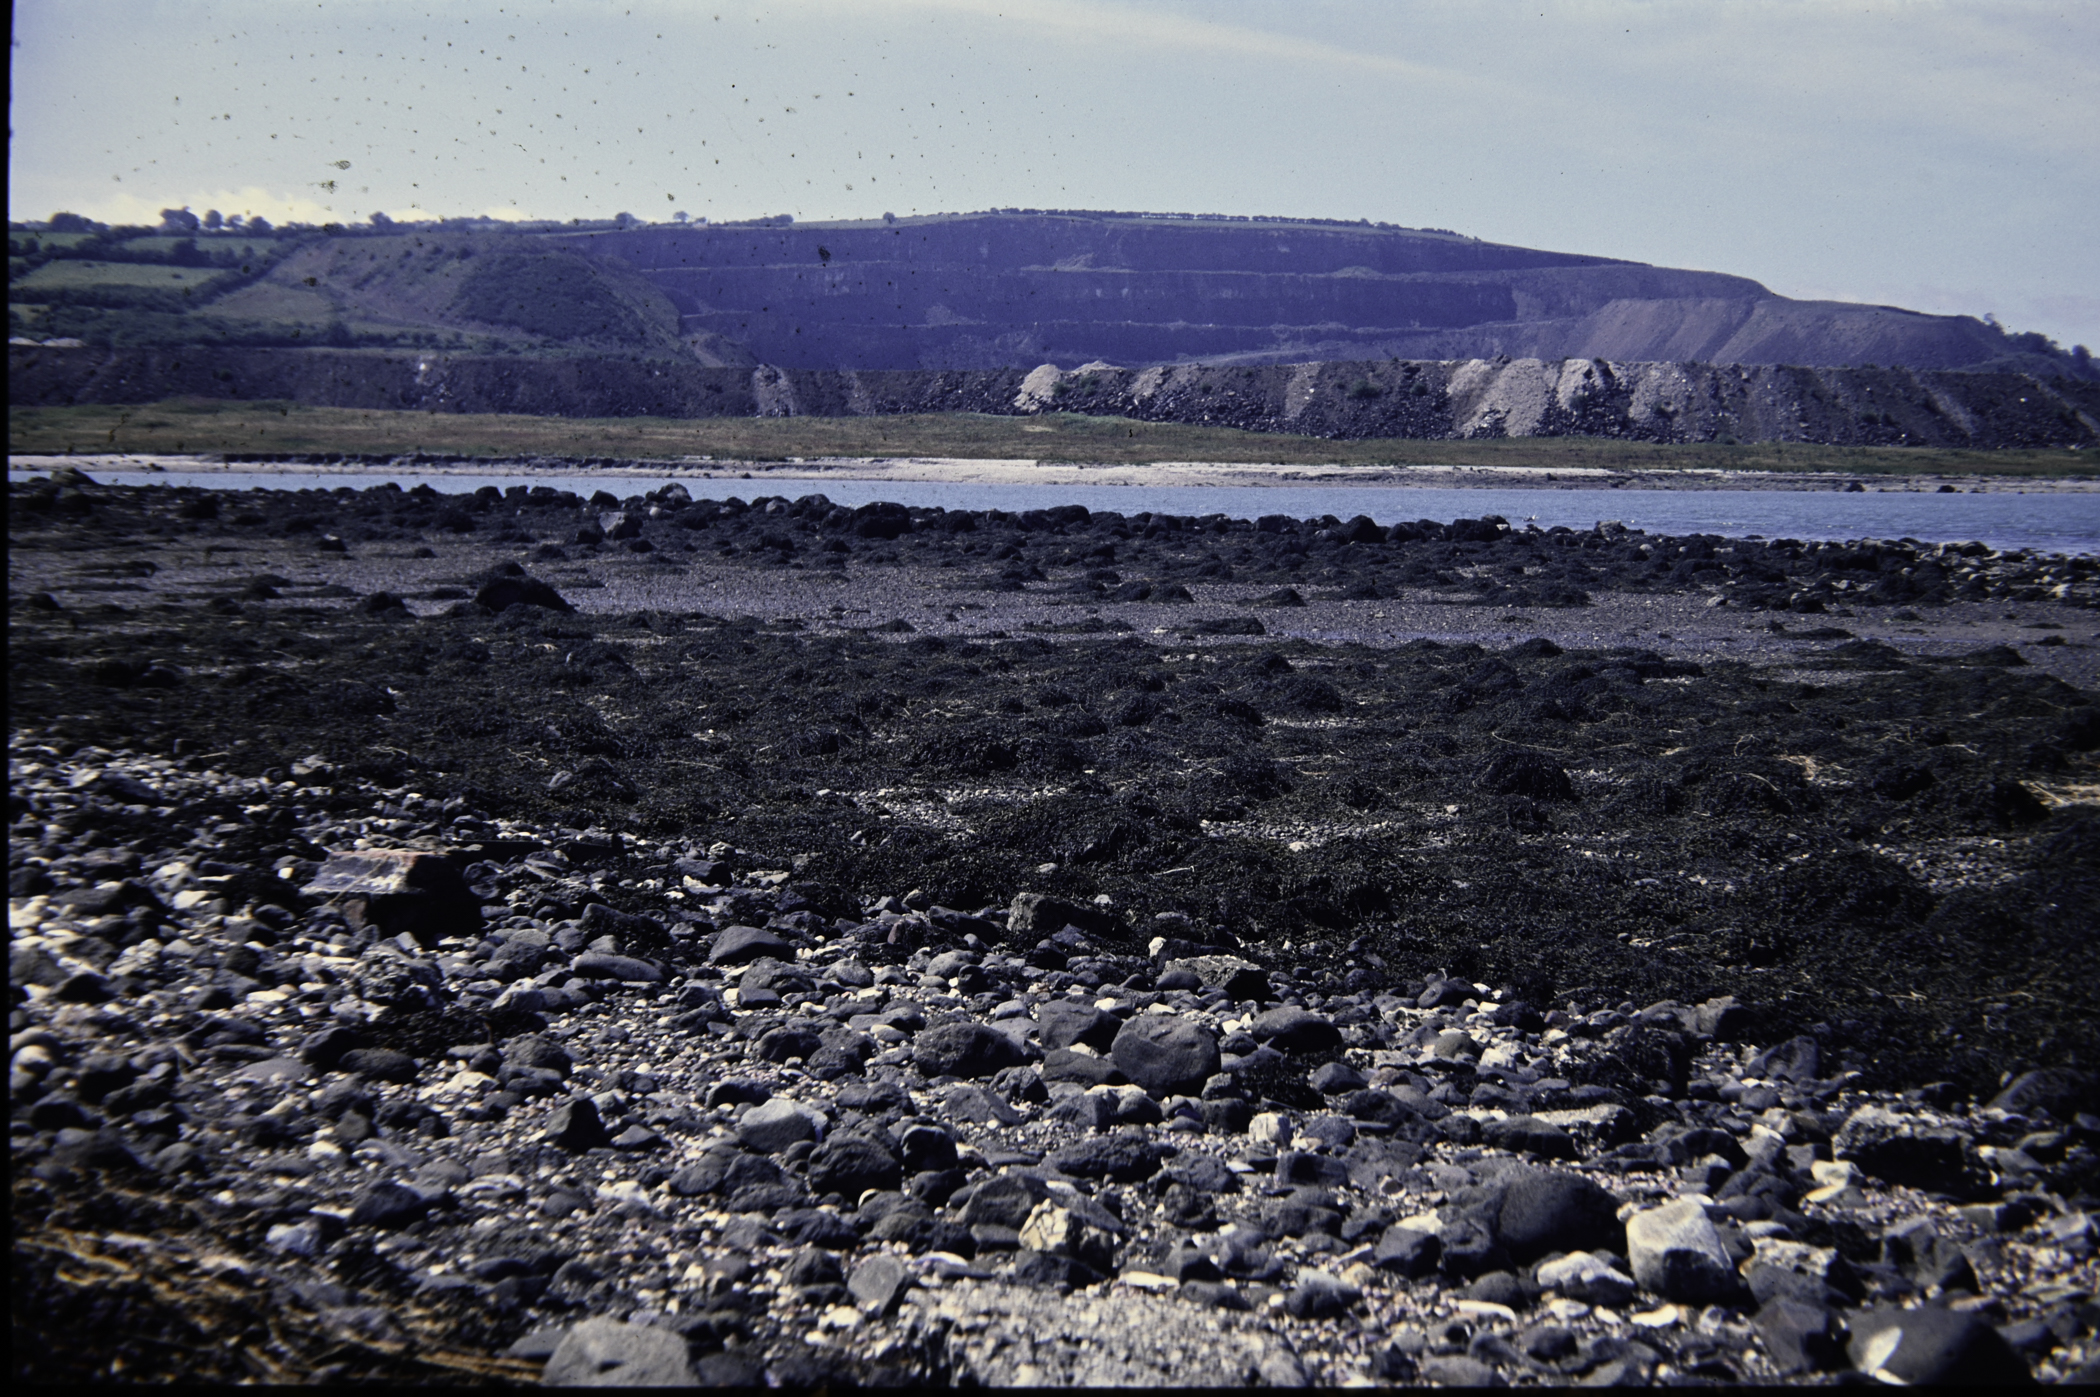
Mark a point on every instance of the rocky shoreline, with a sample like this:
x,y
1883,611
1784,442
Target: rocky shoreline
x,y
542,984
802,474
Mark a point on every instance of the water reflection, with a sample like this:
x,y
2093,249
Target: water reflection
x,y
2046,522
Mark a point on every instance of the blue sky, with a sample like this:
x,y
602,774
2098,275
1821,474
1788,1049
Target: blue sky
x,y
1940,156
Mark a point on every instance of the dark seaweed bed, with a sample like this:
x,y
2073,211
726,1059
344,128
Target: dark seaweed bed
x,y
1847,845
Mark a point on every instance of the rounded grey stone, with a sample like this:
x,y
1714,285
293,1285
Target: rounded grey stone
x,y
1166,1054
775,1125
604,1352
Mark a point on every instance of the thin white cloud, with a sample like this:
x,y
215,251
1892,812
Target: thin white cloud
x,y
121,206
1921,71
1125,26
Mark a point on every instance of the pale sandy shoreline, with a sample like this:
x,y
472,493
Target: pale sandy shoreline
x,y
137,469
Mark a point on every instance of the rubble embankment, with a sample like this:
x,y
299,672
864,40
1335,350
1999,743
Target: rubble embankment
x,y
1370,399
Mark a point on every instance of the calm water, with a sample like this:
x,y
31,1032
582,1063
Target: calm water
x,y
2053,523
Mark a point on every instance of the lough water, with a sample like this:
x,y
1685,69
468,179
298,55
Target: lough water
x,y
2049,522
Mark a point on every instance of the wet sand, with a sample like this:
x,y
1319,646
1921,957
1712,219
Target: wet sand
x,y
935,600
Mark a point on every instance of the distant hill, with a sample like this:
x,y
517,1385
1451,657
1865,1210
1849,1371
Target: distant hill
x,y
1337,330
1008,289
1019,288
471,289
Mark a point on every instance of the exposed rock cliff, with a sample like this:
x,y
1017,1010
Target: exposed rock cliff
x,y
1661,402
1015,289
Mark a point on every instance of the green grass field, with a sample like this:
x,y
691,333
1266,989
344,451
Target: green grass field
x,y
214,243
203,426
77,276
271,302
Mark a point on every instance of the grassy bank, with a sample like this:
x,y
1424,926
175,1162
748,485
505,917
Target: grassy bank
x,y
202,426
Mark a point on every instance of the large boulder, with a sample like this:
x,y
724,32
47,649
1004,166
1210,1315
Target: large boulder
x,y
1795,1060
850,1165
1240,979
1078,1228
1290,1029
606,1352
1071,1065
1902,1149
1530,1135
775,1125
399,892
388,1205
965,1050
1064,1022
1581,1276
1408,1250
2061,1091
380,1064
603,965
1318,1295
878,1283
1929,1259
1304,1169
576,1126
1036,914
789,1040
1786,1270
1126,1157
1723,1020
1165,1054
1676,1253
631,929
1800,1336
1937,1347
1543,1211
531,1050
1004,1200
738,944
503,593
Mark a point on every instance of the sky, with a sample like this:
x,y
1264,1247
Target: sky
x,y
1939,156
